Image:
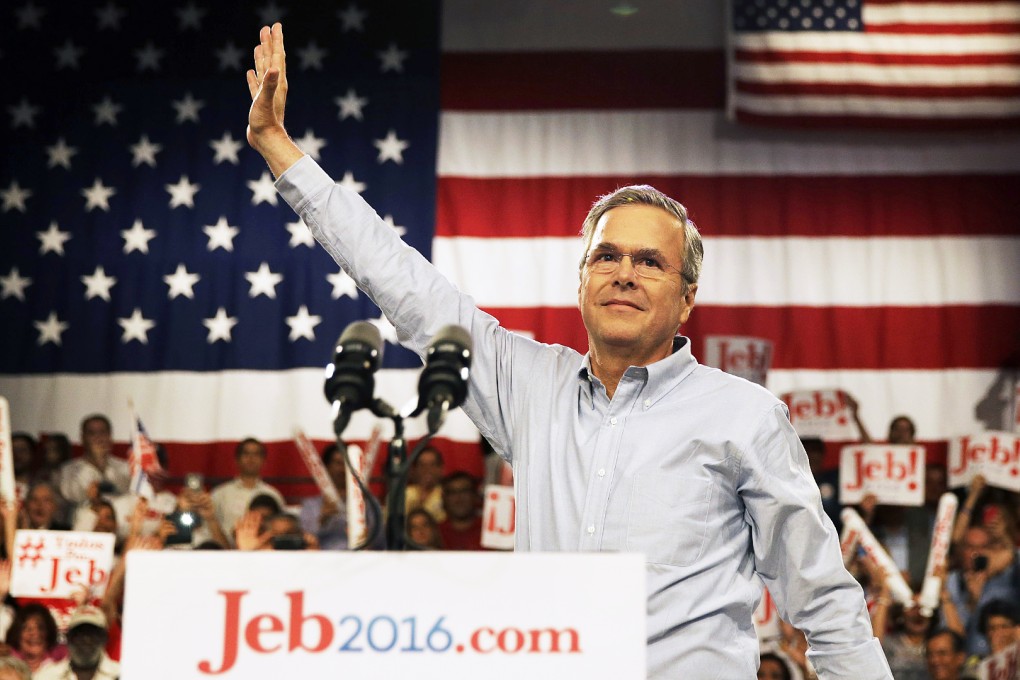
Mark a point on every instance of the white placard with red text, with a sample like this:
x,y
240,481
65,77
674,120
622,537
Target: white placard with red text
x,y
742,356
1002,666
821,413
7,491
370,615
996,455
895,474
499,514
59,564
766,620
1016,408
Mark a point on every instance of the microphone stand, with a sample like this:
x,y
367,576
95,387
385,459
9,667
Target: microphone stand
x,y
396,487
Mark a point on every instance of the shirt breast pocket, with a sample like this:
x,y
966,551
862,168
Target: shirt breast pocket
x,y
667,518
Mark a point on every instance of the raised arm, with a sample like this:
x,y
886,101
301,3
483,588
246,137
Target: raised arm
x,y
267,83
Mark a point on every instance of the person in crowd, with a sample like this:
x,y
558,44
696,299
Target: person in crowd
x,y
98,471
207,528
771,666
33,637
12,668
162,503
43,509
827,480
903,632
423,530
281,531
56,450
634,446
320,516
423,489
1000,624
23,456
231,499
462,528
945,654
901,430
86,657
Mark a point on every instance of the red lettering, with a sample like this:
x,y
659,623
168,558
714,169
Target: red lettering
x,y
476,640
297,624
231,627
855,483
254,631
501,640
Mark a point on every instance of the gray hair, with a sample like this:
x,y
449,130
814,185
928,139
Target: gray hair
x,y
643,194
17,665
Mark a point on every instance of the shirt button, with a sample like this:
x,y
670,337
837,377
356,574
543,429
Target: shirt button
x,y
648,403
602,472
612,420
591,529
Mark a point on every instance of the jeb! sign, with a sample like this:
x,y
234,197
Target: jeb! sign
x,y
59,564
894,474
498,517
748,358
821,413
996,455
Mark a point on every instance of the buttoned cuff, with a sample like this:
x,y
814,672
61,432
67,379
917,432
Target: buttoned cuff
x,y
865,661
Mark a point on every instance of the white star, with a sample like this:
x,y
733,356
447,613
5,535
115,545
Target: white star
x,y
136,327
98,196
219,326
137,238
263,190
302,324
386,329
221,235
353,18
342,284
263,282
144,152
68,55
106,111
300,235
181,282
52,240
392,59
98,284
350,105
50,329
229,56
14,285
311,144
391,148
60,154
109,16
182,193
190,16
348,182
14,197
187,108
312,56
23,114
29,15
270,13
393,225
226,148
148,58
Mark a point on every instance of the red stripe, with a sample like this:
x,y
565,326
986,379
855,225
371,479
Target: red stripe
x,y
869,90
643,79
829,338
996,27
927,205
878,122
812,57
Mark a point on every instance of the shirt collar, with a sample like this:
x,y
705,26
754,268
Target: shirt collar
x,y
660,377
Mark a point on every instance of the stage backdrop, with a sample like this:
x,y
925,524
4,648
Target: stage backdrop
x,y
145,256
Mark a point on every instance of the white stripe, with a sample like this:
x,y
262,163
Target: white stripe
x,y
886,107
940,13
200,407
860,272
697,143
472,26
877,74
877,43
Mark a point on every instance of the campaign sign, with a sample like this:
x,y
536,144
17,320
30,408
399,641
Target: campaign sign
x,y
1016,408
384,615
766,620
821,413
1002,666
7,488
746,357
894,473
59,564
995,455
499,514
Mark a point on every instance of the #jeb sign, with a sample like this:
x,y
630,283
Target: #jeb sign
x,y
498,517
748,358
996,455
894,474
368,615
821,413
59,564
1003,666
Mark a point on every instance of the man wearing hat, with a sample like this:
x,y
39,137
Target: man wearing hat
x,y
86,659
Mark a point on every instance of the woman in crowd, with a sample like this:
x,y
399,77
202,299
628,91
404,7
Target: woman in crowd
x,y
32,637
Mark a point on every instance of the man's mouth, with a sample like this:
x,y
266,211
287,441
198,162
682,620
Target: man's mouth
x,y
623,303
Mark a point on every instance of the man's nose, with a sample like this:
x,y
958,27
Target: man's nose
x,y
625,272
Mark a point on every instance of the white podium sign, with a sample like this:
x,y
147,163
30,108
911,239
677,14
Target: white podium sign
x,y
384,615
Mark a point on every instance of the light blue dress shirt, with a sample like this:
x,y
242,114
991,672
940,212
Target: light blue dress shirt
x,y
697,469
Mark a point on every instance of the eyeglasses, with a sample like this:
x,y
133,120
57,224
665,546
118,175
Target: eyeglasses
x,y
647,264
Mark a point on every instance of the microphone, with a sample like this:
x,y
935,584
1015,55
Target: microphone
x,y
443,384
349,377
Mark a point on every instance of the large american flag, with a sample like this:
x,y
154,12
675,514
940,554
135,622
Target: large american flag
x,y
890,63
882,264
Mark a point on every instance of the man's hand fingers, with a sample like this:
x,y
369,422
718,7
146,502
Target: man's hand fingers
x,y
253,83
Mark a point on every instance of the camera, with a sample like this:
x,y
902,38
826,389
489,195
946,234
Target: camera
x,y
193,481
184,523
106,486
980,562
288,542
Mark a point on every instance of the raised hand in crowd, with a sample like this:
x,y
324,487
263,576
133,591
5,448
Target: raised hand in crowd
x,y
248,532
